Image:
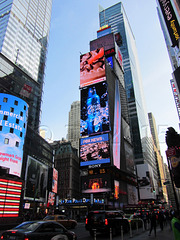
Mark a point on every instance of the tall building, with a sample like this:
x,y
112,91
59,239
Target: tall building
x,y
159,160
116,17
170,24
23,44
74,124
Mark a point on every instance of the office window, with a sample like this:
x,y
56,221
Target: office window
x,y
5,117
6,141
11,130
11,109
16,103
5,99
17,144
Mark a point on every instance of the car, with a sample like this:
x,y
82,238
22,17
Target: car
x,y
37,230
62,219
104,220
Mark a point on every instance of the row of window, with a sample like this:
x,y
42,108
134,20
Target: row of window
x,y
11,130
15,103
6,141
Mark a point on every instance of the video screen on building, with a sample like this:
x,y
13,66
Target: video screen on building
x,y
106,41
94,150
94,109
117,127
13,121
36,180
92,67
51,198
10,197
96,184
54,180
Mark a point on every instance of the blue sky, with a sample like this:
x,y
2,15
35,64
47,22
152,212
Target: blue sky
x,y
73,25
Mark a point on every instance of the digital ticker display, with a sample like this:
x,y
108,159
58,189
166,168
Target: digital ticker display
x,y
94,150
94,109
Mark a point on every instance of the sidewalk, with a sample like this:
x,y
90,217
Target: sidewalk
x,y
166,234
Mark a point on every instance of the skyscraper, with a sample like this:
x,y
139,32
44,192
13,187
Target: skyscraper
x,y
116,17
74,124
23,42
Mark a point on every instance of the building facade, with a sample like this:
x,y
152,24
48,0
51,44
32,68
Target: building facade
x,y
116,17
23,45
74,125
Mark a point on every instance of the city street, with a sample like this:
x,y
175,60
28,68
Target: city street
x,y
166,234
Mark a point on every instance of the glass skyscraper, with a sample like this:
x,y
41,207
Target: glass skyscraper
x,y
116,17
23,41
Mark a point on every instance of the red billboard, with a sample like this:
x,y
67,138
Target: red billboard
x,y
92,67
54,180
10,195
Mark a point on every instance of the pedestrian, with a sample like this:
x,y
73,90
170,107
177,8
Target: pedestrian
x,y
161,219
153,223
175,222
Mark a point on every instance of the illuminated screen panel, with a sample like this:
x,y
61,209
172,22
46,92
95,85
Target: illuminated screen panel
x,y
94,109
51,198
13,120
92,67
117,128
10,192
54,180
96,184
36,180
94,150
116,189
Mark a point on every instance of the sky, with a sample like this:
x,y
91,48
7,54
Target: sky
x,y
73,25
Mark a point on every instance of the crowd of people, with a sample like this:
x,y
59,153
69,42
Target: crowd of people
x,y
162,218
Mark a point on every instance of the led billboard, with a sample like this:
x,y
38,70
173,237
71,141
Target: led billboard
x,y
54,180
107,42
117,127
94,109
51,198
132,194
94,150
92,67
10,192
13,120
96,184
171,21
36,180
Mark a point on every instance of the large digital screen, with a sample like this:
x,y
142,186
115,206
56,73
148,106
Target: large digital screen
x,y
94,109
94,150
10,192
36,180
13,120
96,184
117,127
54,180
107,42
92,67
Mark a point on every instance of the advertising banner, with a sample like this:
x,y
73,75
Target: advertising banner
x,y
36,180
107,42
94,110
13,121
132,194
54,180
145,181
96,184
171,21
94,150
92,67
116,189
51,198
117,128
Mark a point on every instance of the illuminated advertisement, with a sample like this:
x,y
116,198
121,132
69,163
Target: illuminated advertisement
x,y
107,42
103,31
94,109
116,189
119,56
117,127
36,180
145,181
96,184
10,192
92,67
110,61
13,120
54,180
171,21
132,194
51,198
94,150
